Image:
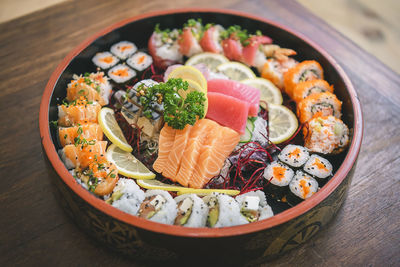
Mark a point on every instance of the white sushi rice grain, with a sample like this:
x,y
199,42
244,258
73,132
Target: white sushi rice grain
x,y
131,197
114,73
296,188
105,60
294,155
269,174
312,168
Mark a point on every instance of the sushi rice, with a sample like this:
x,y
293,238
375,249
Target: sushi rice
x,y
198,210
127,196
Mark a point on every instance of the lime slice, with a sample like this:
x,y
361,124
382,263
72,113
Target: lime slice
x,y
204,192
282,123
269,92
112,130
155,184
211,60
236,71
127,164
189,73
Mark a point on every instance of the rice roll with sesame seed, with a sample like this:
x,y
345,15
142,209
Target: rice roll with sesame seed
x,y
126,196
105,60
254,207
192,211
305,71
123,49
223,211
140,61
320,168
121,74
326,135
304,89
301,187
293,155
278,176
158,206
317,105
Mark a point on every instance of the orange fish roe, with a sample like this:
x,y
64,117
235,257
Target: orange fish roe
x,y
320,165
125,47
295,153
279,172
107,60
141,59
305,188
121,72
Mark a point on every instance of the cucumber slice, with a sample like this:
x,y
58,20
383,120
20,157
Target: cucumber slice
x,y
248,134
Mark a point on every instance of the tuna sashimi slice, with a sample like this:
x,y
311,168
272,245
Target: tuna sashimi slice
x,y
251,50
228,111
210,40
232,49
237,90
188,44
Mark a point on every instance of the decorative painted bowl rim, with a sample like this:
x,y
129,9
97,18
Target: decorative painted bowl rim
x,y
278,219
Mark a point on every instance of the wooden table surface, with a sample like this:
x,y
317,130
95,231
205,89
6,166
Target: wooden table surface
x,y
34,229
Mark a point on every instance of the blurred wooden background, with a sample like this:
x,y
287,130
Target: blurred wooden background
x,y
372,24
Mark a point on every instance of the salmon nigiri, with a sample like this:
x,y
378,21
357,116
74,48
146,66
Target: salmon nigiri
x,y
83,154
89,131
80,111
94,86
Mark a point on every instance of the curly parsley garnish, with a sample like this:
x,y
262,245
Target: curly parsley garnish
x,y
178,111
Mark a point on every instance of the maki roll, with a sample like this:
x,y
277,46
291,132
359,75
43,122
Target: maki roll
x,y
293,155
91,86
126,196
121,74
301,187
192,211
326,135
304,89
320,168
254,207
140,61
305,71
319,104
158,206
279,176
105,60
223,211
123,49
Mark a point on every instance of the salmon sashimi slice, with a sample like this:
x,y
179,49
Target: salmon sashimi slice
x,y
175,155
80,112
88,131
81,156
165,144
218,146
197,137
93,86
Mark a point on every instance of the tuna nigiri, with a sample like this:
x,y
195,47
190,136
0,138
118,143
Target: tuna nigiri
x,y
233,49
188,43
164,48
211,40
252,52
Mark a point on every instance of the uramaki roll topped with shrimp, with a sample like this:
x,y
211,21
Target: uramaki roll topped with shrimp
x,y
320,104
305,71
305,89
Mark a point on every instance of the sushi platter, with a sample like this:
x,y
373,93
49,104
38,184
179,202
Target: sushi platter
x,y
200,124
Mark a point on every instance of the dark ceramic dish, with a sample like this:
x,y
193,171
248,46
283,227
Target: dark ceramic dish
x,y
150,241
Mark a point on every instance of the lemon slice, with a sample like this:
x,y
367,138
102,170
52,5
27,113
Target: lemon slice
x,y
155,184
112,130
204,192
127,164
236,71
269,92
189,73
211,60
194,86
282,123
